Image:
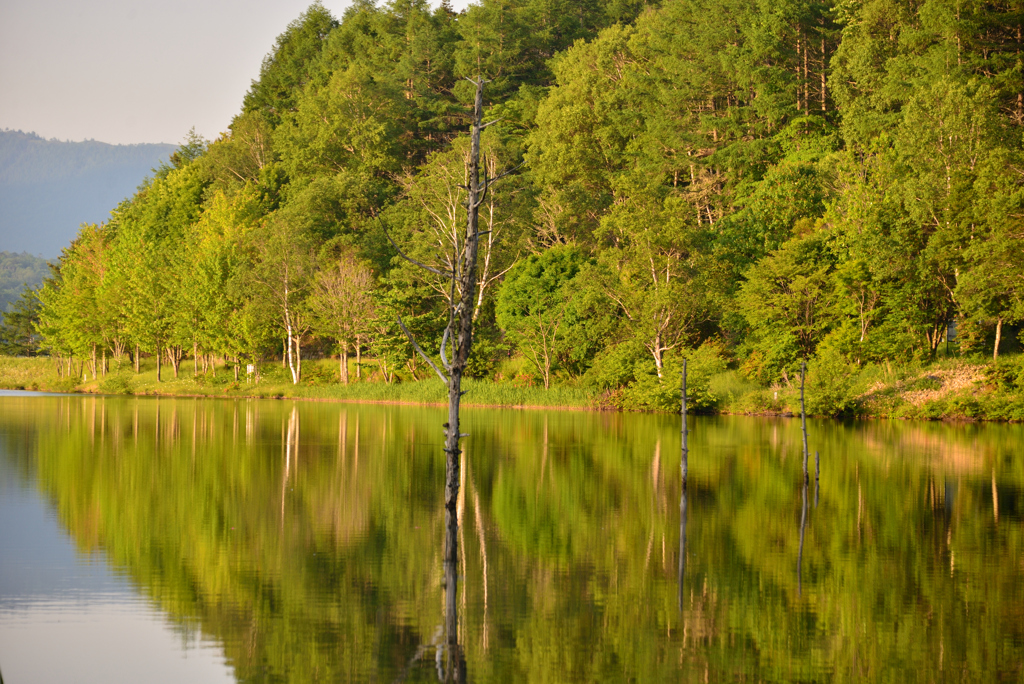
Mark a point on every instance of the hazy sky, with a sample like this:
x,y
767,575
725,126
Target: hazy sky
x,y
135,71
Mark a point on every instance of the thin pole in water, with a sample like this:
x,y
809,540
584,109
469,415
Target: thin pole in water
x,y
803,415
682,546
817,476
685,432
684,465
800,554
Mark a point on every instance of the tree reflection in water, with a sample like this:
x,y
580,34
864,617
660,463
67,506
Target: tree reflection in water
x,y
307,540
800,554
452,666
682,544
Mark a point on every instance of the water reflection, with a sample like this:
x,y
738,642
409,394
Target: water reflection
x,y
451,661
682,545
309,541
800,554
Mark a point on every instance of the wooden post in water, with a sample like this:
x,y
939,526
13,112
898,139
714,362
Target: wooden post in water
x,y
685,433
803,415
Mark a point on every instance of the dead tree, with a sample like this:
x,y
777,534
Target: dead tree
x,y
803,416
461,275
460,272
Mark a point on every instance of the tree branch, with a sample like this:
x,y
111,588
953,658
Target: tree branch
x,y
506,173
444,342
410,259
421,352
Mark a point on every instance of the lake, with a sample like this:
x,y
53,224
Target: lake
x,y
169,540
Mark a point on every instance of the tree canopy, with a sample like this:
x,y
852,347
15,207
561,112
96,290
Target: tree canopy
x,y
765,180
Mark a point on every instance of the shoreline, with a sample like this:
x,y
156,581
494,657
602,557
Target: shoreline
x,y
918,394
515,407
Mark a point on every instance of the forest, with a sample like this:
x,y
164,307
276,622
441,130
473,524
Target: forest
x,y
746,185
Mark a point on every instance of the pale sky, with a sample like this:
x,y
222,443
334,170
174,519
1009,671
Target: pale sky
x,y
135,71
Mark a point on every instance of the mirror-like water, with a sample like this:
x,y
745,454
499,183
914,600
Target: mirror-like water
x,y
279,541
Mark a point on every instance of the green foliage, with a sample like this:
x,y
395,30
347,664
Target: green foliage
x,y
18,326
829,384
650,393
824,182
337,559
786,302
533,306
117,383
287,68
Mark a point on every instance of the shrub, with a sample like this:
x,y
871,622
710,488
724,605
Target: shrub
x,y
117,383
651,393
829,384
963,406
1006,373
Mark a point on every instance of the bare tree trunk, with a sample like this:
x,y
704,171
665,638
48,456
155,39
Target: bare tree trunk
x,y
685,465
343,361
136,358
459,333
803,416
799,45
807,85
467,281
291,341
195,359
159,358
823,66
999,335
359,357
174,354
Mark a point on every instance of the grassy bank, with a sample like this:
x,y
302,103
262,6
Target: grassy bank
x,y
319,384
949,389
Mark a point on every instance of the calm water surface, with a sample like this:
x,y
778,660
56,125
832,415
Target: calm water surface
x,y
261,541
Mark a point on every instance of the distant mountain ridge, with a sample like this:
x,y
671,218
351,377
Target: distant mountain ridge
x,y
17,271
49,187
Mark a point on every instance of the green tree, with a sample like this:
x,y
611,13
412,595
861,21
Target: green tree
x,y
19,334
786,300
286,69
341,303
533,304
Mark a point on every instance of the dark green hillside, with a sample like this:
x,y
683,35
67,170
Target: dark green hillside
x,y
48,187
18,271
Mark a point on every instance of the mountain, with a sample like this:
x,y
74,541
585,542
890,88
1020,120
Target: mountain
x,y
17,271
48,187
